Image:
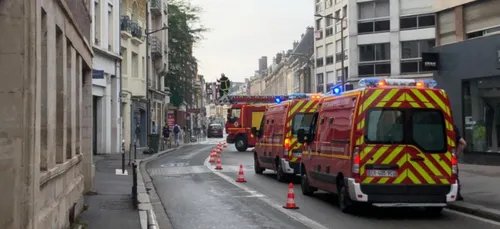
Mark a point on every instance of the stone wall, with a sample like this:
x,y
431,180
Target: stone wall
x,y
45,129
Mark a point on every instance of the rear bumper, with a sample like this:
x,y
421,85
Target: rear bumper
x,y
402,195
292,168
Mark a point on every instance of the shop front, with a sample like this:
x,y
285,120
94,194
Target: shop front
x,y
469,71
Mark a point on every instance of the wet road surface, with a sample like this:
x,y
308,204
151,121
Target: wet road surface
x,y
196,196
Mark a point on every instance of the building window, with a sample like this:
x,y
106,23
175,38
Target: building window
x,y
373,17
417,22
411,55
318,24
319,62
374,59
328,3
329,20
97,22
483,32
338,1
344,10
329,31
319,78
329,60
111,23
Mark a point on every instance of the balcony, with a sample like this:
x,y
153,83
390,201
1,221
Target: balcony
x,y
155,44
136,31
125,27
155,8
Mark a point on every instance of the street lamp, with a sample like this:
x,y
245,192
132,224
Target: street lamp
x,y
148,97
341,46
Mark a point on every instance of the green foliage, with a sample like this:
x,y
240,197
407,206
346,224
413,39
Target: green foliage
x,y
182,35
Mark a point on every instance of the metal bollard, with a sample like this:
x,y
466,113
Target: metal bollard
x,y
151,220
135,150
134,185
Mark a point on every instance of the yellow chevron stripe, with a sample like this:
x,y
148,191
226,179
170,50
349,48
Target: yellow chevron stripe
x,y
295,107
438,101
372,98
308,104
390,95
422,172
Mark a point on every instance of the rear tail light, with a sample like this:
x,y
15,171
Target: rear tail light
x,y
287,144
356,165
454,166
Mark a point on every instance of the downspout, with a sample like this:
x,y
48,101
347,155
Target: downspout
x,y
120,100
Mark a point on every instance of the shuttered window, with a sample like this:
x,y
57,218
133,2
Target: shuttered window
x,y
481,15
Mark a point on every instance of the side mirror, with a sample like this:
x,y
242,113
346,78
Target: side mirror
x,y
254,131
301,135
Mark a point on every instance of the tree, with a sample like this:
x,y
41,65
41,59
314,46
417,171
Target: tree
x,y
182,35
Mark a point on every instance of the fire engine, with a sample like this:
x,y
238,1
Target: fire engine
x,y
245,113
277,147
388,144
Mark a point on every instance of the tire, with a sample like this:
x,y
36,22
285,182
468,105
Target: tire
x,y
346,205
307,190
433,211
241,144
256,165
280,175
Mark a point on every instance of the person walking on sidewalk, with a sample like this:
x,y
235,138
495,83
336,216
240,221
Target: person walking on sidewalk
x,y
177,131
461,144
166,136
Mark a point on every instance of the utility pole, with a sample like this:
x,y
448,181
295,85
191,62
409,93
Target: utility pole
x,y
342,19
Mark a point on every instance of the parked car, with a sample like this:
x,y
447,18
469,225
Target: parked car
x,y
215,130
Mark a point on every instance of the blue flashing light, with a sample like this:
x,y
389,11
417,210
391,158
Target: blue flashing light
x,y
277,99
369,82
336,90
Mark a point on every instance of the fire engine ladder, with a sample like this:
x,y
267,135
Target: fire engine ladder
x,y
232,99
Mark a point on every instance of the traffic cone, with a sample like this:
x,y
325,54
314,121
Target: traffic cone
x,y
212,157
290,201
241,177
219,164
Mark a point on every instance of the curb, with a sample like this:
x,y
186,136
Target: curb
x,y
147,216
475,210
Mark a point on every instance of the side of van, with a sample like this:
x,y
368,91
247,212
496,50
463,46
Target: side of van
x,y
277,147
388,146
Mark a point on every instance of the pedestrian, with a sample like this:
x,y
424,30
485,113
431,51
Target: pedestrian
x,y
153,128
461,144
177,130
166,135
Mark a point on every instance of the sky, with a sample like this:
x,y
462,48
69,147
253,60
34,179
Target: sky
x,y
241,31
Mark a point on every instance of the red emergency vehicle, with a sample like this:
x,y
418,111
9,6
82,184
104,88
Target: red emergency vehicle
x,y
245,113
277,147
389,144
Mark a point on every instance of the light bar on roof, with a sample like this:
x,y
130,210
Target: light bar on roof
x,y
297,96
381,82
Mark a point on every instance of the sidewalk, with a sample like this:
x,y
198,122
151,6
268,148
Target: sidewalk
x,y
481,191
110,205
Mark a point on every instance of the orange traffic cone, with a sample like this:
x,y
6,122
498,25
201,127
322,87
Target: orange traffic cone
x,y
290,201
241,177
212,157
219,164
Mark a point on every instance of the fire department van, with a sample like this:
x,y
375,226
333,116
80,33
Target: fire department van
x,y
277,147
245,113
389,144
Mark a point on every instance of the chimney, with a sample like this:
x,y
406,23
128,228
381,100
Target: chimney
x,y
279,56
295,43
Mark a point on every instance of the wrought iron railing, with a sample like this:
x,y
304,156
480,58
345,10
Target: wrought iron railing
x,y
125,24
155,44
136,30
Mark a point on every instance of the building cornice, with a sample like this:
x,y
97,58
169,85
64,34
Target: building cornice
x,y
106,53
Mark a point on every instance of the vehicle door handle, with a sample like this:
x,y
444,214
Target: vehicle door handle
x,y
417,158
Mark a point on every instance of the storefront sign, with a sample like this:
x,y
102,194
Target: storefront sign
x,y
430,61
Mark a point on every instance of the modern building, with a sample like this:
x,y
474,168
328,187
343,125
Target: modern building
x,y
382,38
106,76
135,18
468,68
46,161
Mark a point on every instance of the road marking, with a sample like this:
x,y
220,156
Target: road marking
x,y
119,172
292,214
171,171
473,217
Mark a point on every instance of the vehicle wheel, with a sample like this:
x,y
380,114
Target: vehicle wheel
x,y
241,144
307,190
280,175
433,211
256,165
346,205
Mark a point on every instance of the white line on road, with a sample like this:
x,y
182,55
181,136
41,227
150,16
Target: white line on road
x,y
473,217
119,172
291,213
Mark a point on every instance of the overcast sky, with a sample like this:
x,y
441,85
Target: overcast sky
x,y
244,30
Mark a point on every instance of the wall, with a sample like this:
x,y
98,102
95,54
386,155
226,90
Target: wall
x,y
45,164
470,59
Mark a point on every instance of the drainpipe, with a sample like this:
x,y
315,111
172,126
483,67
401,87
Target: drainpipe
x,y
120,100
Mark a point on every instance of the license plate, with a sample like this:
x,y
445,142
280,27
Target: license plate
x,y
382,173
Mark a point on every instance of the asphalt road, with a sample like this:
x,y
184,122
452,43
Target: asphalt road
x,y
196,196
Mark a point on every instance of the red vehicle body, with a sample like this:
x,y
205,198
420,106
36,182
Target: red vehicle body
x,y
385,146
277,148
246,113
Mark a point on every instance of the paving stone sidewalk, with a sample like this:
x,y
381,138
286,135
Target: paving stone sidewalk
x,y
481,191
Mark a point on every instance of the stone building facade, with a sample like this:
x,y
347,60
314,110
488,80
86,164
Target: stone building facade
x,y
46,110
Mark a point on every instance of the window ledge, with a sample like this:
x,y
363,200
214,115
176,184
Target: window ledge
x,y
59,170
